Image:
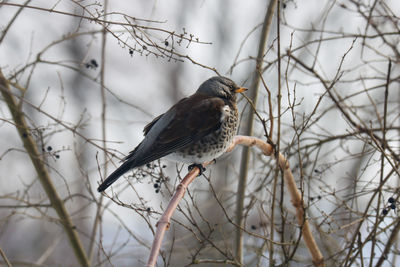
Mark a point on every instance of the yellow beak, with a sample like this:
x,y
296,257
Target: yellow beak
x,y
241,89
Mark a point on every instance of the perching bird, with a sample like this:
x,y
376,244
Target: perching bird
x,y
195,130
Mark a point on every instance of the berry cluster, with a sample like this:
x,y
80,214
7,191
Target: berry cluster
x,y
92,64
153,169
392,205
49,149
157,185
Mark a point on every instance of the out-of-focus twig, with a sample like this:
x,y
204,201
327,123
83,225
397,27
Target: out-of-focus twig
x,y
5,30
103,134
3,255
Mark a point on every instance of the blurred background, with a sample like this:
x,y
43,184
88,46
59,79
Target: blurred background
x,y
89,75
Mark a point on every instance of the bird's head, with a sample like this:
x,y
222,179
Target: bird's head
x,y
221,87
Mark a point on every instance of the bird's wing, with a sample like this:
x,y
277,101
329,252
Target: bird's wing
x,y
186,122
147,128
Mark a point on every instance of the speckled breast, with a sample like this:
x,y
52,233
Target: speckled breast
x,y
212,145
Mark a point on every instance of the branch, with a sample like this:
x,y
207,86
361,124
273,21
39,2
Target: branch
x,y
6,261
253,95
103,135
297,200
43,175
164,222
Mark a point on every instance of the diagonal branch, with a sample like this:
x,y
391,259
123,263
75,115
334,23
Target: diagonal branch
x,y
3,255
164,222
43,175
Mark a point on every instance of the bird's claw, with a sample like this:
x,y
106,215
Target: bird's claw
x,y
200,166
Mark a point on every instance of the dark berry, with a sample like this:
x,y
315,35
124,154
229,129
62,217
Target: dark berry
x,y
164,166
94,63
385,211
393,206
319,197
148,209
311,198
148,165
166,43
157,190
57,156
49,148
156,185
24,135
253,227
131,51
391,200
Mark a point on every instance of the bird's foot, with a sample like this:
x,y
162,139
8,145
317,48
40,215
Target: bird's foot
x,y
200,166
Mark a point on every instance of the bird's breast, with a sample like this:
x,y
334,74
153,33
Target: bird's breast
x,y
212,145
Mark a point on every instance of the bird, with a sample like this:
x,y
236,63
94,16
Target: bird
x,y
195,130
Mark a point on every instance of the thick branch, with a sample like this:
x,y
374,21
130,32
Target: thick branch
x,y
43,175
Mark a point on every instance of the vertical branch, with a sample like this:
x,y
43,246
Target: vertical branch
x,y
279,97
103,130
253,95
42,173
381,180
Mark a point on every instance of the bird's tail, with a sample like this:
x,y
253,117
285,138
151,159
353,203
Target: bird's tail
x,y
115,175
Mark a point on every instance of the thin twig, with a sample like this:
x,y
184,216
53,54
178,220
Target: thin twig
x,y
377,217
